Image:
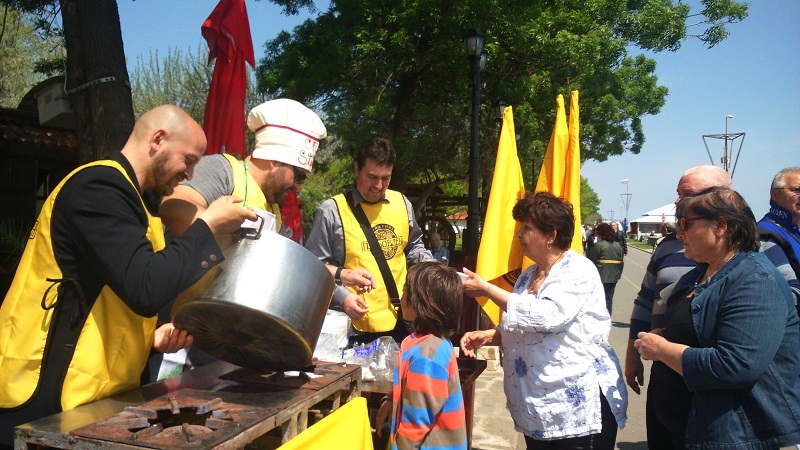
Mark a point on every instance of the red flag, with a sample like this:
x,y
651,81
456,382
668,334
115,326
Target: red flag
x,y
227,31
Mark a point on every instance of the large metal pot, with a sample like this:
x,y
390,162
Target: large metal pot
x,y
264,311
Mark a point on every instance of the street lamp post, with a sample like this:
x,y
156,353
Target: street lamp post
x,y
499,107
725,164
473,45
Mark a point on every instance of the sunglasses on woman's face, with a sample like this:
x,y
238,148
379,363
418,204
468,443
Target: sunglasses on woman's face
x,y
684,224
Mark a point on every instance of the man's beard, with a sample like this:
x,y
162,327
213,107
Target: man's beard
x,y
273,193
163,182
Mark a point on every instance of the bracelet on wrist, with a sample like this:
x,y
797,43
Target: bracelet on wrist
x,y
338,277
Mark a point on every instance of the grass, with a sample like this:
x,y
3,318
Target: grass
x,y
640,245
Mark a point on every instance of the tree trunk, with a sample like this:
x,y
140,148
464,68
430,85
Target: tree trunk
x,y
103,107
401,125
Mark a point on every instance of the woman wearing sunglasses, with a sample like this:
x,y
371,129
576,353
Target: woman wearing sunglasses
x,y
726,365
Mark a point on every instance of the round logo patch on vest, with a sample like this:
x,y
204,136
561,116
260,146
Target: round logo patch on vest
x,y
387,238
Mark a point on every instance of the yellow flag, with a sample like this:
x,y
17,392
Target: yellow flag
x,y
500,256
561,171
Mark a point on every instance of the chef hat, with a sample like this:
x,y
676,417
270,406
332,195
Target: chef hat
x,y
286,131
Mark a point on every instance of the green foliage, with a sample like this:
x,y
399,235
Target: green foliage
x,y
398,69
590,202
181,79
26,57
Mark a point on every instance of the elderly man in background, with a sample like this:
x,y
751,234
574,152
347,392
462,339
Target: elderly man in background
x,y
778,229
440,252
667,228
77,323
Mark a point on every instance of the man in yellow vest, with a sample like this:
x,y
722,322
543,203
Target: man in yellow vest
x,y
337,239
287,137
77,323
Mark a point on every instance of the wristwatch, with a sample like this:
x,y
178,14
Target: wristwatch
x,y
338,277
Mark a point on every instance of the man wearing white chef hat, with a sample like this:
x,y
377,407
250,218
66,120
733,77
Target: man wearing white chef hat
x,y
287,137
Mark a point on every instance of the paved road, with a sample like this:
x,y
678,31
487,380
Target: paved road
x,y
493,427
633,436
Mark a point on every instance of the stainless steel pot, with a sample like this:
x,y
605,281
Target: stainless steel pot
x,y
265,309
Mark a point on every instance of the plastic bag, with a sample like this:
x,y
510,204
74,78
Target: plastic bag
x,y
376,358
333,337
382,360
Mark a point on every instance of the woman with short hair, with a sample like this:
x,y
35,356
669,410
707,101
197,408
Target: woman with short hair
x,y
726,365
563,383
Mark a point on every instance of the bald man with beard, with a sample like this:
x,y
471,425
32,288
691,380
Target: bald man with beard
x,y
77,323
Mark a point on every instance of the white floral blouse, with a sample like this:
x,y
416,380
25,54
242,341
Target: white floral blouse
x,y
557,359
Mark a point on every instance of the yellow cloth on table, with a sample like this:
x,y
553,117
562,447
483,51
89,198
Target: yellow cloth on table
x,y
347,427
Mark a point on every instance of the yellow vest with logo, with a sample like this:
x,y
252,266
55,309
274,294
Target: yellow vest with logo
x,y
246,187
389,221
113,345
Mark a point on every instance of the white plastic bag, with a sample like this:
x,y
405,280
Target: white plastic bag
x,y
333,337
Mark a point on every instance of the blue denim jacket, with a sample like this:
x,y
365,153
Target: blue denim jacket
x,y
745,375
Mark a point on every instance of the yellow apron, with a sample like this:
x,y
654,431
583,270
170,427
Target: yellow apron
x,y
389,220
112,347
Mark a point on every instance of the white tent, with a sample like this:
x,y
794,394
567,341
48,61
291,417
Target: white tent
x,y
651,221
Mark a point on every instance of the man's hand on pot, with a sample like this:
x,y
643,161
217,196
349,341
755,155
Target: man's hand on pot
x,y
168,339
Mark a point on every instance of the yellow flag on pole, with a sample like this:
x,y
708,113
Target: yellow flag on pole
x,y
500,256
561,171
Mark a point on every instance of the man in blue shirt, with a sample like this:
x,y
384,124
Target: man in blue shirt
x,y
440,252
778,230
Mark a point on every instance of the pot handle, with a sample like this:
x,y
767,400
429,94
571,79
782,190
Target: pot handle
x,y
253,233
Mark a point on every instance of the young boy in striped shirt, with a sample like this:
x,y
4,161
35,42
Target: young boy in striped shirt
x,y
426,404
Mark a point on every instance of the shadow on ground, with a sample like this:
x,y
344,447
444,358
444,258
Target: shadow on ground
x,y
632,445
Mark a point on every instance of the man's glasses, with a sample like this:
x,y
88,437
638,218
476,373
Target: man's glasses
x,y
299,176
684,224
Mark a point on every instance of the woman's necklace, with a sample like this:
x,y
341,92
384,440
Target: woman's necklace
x,y
540,274
710,272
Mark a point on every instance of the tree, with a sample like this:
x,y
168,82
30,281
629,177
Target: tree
x,y
181,79
590,202
178,78
97,78
98,87
398,68
22,50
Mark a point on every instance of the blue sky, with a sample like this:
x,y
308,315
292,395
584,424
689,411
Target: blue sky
x,y
753,75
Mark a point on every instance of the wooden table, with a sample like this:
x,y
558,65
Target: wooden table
x,y
468,370
289,407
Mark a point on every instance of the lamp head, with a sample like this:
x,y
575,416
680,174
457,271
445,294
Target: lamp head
x,y
473,42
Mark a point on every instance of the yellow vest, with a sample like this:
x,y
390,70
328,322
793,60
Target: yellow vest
x,y
113,345
246,187
389,220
